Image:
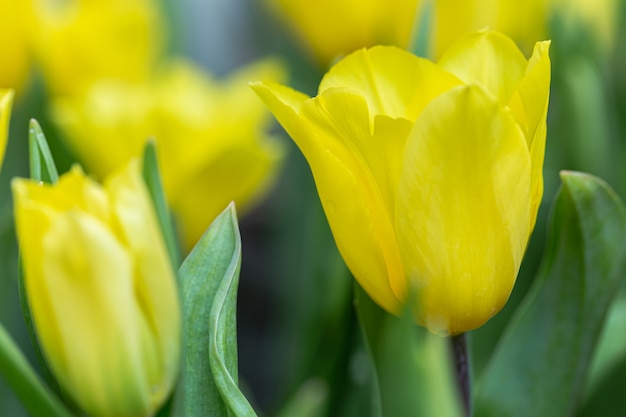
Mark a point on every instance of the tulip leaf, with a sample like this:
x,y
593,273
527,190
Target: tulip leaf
x,y
152,178
209,278
412,367
607,375
37,399
541,364
38,150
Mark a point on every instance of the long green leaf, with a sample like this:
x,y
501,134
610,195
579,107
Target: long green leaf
x,y
412,367
36,398
152,178
209,278
39,150
540,366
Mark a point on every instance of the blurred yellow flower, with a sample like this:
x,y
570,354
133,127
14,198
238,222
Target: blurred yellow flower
x,y
14,26
524,21
211,137
6,99
430,174
331,28
101,290
80,42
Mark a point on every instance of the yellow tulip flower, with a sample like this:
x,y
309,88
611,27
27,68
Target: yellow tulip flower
x,y
6,99
352,24
211,137
524,21
101,290
430,175
331,28
14,48
80,42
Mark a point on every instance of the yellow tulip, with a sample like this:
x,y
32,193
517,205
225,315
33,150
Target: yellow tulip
x,y
6,99
524,21
211,137
336,27
80,42
351,24
14,49
430,175
101,290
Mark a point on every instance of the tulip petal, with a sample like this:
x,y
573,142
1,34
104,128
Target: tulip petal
x,y
530,107
107,125
154,279
352,200
488,59
394,82
6,99
462,213
196,208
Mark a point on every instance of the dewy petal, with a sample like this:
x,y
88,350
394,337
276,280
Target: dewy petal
x,y
488,59
85,280
394,82
462,213
154,279
352,201
6,99
530,107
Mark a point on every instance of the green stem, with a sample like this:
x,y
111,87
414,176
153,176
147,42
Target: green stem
x,y
35,396
461,366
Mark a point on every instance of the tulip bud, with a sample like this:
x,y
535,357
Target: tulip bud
x,y
430,175
101,290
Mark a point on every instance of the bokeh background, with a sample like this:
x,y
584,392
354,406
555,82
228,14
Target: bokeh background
x,y
301,351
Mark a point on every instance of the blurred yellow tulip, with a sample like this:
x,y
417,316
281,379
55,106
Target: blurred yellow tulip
x,y
6,99
80,42
430,174
101,290
330,28
14,48
211,137
333,28
524,21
